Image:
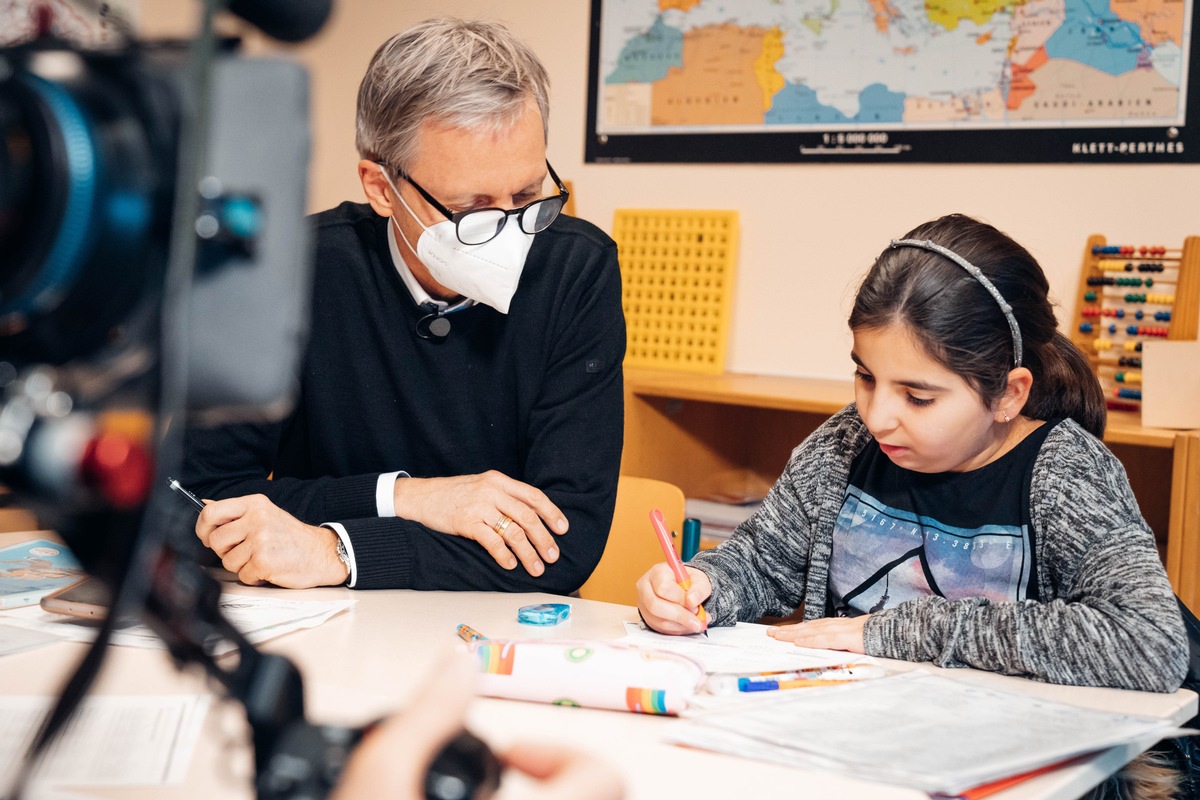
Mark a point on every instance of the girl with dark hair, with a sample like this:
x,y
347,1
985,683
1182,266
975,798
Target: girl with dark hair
x,y
962,511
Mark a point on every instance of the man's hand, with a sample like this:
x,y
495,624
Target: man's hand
x,y
262,542
476,507
834,633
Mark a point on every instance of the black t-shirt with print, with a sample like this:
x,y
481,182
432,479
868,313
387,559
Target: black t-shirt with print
x,y
903,534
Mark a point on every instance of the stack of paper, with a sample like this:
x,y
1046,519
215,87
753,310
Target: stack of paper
x,y
258,617
113,741
915,729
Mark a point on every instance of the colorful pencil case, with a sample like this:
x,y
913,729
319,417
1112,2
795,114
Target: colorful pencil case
x,y
588,674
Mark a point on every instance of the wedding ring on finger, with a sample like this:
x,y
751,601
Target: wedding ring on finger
x,y
502,524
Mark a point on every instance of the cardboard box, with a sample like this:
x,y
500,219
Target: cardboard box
x,y
1171,384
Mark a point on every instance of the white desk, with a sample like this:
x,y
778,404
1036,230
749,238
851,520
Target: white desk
x,y
365,663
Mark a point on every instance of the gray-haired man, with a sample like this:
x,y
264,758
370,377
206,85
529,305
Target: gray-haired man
x,y
463,333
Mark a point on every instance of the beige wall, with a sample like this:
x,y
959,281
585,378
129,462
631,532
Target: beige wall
x,y
808,232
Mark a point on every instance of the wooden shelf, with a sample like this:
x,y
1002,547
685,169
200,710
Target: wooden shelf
x,y
1125,427
808,395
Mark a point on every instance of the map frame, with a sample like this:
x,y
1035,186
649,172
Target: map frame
x,y
1055,143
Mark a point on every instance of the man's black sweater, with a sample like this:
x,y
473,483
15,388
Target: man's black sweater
x,y
535,394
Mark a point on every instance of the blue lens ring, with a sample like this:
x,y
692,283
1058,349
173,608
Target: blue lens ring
x,y
65,258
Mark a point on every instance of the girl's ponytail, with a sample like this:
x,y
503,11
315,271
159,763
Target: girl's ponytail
x,y
1065,385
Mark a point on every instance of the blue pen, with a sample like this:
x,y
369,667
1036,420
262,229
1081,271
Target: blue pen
x,y
751,685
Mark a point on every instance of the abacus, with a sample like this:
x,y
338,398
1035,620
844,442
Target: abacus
x,y
1128,295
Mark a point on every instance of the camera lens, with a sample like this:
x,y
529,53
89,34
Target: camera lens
x,y
82,162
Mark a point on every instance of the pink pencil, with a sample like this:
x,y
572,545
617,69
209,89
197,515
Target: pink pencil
x,y
681,576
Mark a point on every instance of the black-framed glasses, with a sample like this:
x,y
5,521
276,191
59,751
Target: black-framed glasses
x,y
481,225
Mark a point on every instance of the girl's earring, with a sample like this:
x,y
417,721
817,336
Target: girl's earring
x,y
1007,418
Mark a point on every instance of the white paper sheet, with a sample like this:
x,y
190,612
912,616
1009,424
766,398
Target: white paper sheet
x,y
915,729
741,648
18,640
259,618
113,741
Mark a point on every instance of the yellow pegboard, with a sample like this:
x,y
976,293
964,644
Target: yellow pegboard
x,y
677,272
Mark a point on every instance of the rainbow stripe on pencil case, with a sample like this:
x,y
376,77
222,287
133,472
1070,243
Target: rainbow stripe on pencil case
x,y
588,674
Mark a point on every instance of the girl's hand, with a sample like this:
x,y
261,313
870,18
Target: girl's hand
x,y
834,633
663,603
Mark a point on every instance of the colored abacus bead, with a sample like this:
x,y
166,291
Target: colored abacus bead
x,y
1085,327
1090,297
1128,394
1162,316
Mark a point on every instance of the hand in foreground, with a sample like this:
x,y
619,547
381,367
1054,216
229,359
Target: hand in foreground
x,y
563,774
832,633
665,606
511,520
261,542
391,761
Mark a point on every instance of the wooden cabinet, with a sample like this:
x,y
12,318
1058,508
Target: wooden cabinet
x,y
733,433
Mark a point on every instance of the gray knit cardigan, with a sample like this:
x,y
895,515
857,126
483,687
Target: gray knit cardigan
x,y
1107,615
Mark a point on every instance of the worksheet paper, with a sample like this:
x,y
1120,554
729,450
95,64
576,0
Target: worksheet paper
x,y
18,640
259,618
741,648
113,740
915,729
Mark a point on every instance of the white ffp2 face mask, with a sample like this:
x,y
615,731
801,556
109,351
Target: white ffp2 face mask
x,y
487,273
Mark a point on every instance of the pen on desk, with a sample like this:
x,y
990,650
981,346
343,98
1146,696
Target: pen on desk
x,y
732,683
856,671
469,634
681,576
177,486
751,685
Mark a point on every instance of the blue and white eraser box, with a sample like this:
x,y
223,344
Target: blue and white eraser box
x,y
1170,384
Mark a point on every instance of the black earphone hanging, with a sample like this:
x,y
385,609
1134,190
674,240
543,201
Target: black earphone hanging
x,y
434,326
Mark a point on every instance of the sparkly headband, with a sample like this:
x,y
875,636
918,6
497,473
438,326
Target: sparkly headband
x,y
925,244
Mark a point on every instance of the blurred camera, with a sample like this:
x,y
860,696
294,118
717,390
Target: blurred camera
x,y
105,157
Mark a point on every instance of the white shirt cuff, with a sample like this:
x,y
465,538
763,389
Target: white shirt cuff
x,y
340,530
385,493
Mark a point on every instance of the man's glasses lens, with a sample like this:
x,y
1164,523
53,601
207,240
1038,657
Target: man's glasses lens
x,y
485,224
537,216
477,227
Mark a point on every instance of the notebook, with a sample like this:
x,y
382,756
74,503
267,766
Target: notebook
x,y
31,570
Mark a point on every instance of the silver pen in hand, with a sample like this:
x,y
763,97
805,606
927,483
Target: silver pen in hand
x,y
177,486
